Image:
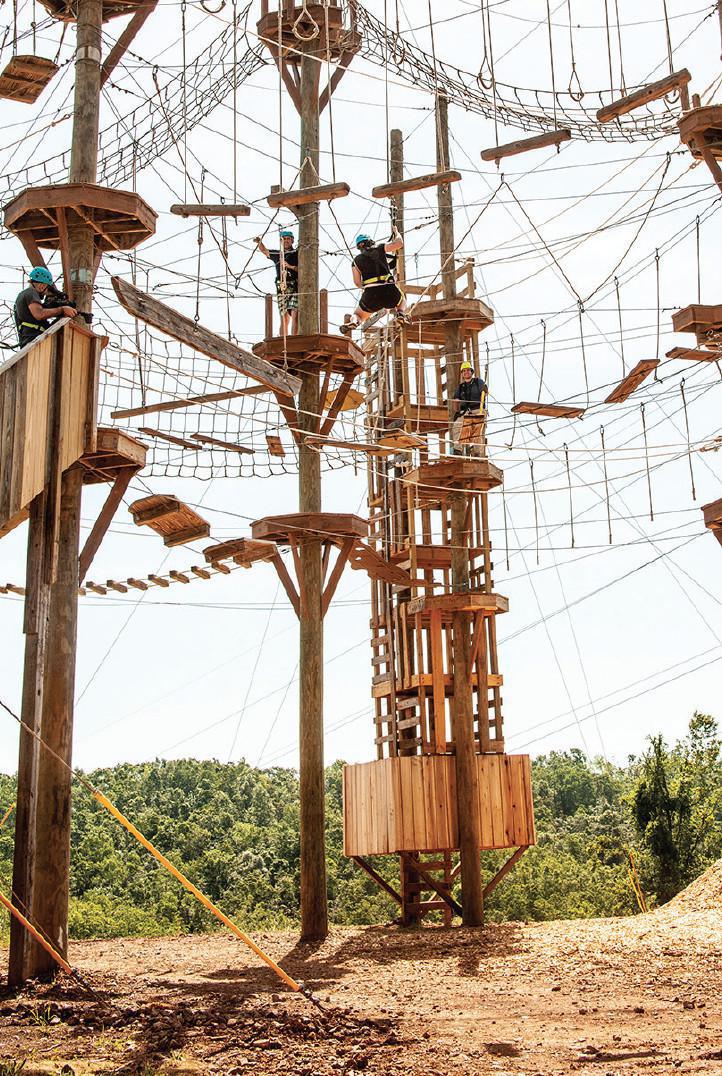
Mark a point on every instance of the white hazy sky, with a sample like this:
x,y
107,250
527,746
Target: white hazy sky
x,y
603,645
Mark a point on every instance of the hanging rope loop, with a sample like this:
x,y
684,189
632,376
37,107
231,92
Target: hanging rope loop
x,y
304,17
213,10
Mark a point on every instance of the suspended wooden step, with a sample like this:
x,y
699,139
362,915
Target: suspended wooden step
x,y
181,328
189,401
713,518
203,209
525,145
697,319
352,400
363,558
227,446
306,195
693,354
632,381
114,452
175,522
548,410
420,183
701,131
243,551
149,431
677,81
25,78
400,439
275,445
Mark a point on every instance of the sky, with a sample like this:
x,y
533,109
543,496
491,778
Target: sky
x,y
604,644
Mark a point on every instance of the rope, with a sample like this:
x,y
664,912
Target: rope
x,y
689,447
315,31
571,504
621,329
578,93
551,60
606,484
646,461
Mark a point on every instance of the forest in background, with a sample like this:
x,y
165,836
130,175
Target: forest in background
x,y
234,831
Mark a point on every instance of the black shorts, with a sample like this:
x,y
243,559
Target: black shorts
x,y
380,297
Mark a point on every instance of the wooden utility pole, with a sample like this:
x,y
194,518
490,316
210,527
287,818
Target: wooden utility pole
x,y
314,901
467,791
52,866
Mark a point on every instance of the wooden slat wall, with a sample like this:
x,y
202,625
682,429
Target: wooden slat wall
x,y
25,401
408,804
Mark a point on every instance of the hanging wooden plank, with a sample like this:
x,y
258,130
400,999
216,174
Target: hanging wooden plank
x,y
171,438
174,521
548,410
229,446
632,381
651,92
243,551
190,401
181,328
693,354
419,183
305,195
25,77
275,445
208,209
524,145
351,402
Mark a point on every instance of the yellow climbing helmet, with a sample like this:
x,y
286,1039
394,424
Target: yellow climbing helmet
x,y
466,365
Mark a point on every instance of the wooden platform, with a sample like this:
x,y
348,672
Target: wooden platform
x,y
469,602
436,481
25,77
429,317
697,318
309,526
175,522
712,513
41,217
67,10
409,804
311,354
701,130
311,24
422,419
114,451
243,551
547,410
632,381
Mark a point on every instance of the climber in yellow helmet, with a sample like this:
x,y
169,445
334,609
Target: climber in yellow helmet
x,y
468,432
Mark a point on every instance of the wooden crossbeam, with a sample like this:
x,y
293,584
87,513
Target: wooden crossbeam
x,y
335,577
352,446
210,209
305,195
419,183
124,41
524,145
651,92
632,381
503,871
381,882
287,583
229,446
693,354
171,438
190,401
181,328
417,867
547,410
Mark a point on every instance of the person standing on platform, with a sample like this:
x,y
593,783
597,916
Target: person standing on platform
x,y
468,432
31,316
373,272
286,262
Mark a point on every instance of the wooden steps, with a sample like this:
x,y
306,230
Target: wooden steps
x,y
25,77
525,145
327,192
692,354
632,381
242,551
216,209
419,183
175,522
547,410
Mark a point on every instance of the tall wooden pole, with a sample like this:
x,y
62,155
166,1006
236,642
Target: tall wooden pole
x,y
467,778
314,902
51,893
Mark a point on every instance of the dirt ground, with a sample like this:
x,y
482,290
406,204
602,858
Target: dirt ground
x,y
598,996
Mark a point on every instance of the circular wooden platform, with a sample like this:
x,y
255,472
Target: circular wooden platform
x,y
42,216
312,354
701,128
309,526
67,10
436,481
430,317
319,28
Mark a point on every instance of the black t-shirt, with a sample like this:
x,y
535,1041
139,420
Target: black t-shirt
x,y
470,394
290,258
373,263
22,306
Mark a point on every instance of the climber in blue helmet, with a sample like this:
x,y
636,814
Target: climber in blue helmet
x,y
286,261
31,315
373,271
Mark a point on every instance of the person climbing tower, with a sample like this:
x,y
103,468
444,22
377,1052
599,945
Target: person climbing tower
x,y
468,431
31,314
286,262
373,272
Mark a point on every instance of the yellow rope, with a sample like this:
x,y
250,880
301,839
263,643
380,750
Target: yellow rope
x,y
7,814
35,933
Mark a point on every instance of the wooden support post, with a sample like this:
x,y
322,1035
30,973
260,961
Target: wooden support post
x,y
467,779
52,866
314,904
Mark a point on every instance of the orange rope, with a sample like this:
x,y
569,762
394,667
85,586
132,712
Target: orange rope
x,y
36,934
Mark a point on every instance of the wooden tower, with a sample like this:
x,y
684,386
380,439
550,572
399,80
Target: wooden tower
x,y
441,782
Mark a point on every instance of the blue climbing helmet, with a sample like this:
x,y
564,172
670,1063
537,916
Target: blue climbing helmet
x,y
362,239
41,275
286,233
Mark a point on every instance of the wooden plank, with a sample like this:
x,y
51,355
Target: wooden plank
x,y
191,401
103,521
494,770
25,77
548,410
124,41
381,882
275,445
228,446
524,145
438,684
651,92
696,318
693,354
419,183
632,381
185,330
486,810
503,871
415,764
525,763
305,195
208,209
170,437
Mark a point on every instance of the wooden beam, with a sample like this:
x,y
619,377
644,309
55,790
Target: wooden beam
x,y
307,195
208,209
181,328
524,145
227,445
286,583
191,401
547,410
335,577
341,393
105,518
420,183
343,61
122,44
651,92
381,882
503,871
150,432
